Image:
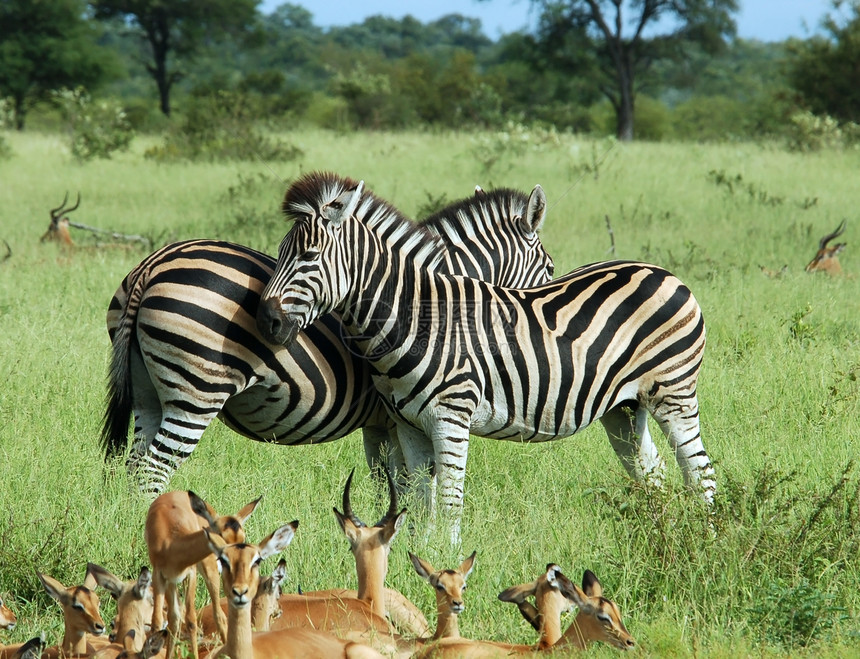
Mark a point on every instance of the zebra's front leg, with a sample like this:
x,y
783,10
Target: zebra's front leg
x,y
628,434
418,455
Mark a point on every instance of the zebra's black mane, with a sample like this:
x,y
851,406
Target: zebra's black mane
x,y
380,216
472,211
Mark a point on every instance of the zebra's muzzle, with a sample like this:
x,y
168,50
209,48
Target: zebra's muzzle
x,y
275,326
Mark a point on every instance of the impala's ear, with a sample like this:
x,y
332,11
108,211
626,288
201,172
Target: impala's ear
x,y
535,211
422,567
344,206
106,579
468,565
279,539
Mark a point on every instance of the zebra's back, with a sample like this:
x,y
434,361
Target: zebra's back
x,y
195,304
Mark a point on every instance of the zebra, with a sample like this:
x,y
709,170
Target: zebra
x,y
185,347
453,355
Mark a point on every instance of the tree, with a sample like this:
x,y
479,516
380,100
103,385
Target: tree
x,y
46,45
826,70
178,28
618,57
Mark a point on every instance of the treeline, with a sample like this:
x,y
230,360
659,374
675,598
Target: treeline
x,y
225,61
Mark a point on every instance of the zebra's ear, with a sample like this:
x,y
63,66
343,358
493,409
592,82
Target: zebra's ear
x,y
344,206
535,211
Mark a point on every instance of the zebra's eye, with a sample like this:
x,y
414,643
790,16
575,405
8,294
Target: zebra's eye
x,y
310,255
336,205
550,269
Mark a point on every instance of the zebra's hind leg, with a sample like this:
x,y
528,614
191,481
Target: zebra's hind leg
x,y
167,451
678,417
627,428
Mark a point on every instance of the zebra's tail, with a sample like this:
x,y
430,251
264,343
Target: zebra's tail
x,y
118,404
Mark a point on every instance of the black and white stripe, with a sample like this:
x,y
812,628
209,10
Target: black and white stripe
x,y
452,355
186,348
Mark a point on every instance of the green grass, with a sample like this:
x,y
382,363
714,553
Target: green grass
x,y
774,573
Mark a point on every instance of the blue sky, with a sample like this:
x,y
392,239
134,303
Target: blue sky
x,y
767,20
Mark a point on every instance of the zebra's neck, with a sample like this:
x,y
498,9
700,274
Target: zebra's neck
x,y
389,273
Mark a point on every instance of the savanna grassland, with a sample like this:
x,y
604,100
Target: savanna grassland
x,y
774,573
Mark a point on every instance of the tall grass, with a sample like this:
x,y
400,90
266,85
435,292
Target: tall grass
x,y
772,571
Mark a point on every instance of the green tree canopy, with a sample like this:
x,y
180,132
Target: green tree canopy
x,y
597,37
46,45
826,71
178,28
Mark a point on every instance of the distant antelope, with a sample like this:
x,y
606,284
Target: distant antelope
x,y
176,538
58,229
827,258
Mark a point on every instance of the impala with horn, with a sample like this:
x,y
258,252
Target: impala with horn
x,y
827,257
58,229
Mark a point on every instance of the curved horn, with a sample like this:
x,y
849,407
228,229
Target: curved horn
x,y
59,209
347,506
75,207
392,511
830,236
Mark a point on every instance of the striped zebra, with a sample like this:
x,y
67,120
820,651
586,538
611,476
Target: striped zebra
x,y
452,355
186,348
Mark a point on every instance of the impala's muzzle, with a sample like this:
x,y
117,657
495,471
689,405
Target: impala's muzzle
x,y
276,326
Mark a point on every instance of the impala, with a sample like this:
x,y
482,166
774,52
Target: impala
x,y
133,609
827,258
370,545
240,565
32,649
176,540
58,229
151,647
449,586
598,620
265,606
81,617
7,618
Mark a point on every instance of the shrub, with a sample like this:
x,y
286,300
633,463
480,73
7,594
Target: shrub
x,y
220,127
810,132
97,128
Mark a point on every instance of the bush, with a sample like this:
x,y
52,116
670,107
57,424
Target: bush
x,y
220,127
810,132
97,128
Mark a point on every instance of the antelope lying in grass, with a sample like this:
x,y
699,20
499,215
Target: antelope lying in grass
x,y
81,618
240,564
449,586
58,229
151,647
134,604
340,610
827,258
176,537
32,649
598,620
7,617
265,605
